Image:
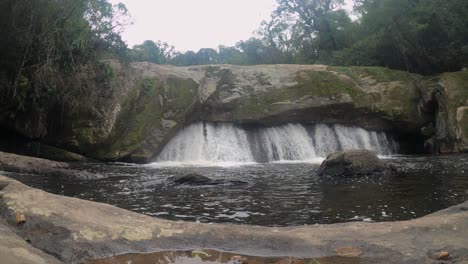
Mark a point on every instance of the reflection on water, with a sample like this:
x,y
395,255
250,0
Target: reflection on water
x,y
277,194
215,257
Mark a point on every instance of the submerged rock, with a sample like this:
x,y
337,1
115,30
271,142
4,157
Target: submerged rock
x,y
353,163
196,179
192,179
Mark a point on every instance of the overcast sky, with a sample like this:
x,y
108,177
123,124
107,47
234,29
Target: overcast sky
x,y
191,25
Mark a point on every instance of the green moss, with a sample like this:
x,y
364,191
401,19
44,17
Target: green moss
x,y
181,94
348,71
83,135
142,111
397,99
398,102
456,85
141,107
310,83
325,84
379,74
464,124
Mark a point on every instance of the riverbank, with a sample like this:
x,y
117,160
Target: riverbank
x,y
75,230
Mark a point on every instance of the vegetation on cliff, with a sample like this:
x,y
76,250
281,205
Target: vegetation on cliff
x,y
51,52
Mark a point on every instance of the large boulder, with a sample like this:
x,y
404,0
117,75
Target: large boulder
x,y
352,163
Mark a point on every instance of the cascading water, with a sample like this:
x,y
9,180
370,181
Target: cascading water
x,y
203,143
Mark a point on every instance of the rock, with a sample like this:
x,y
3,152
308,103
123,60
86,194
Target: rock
x,y
192,179
24,164
353,163
15,250
20,218
444,255
195,179
148,104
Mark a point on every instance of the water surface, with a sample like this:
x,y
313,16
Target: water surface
x,y
277,194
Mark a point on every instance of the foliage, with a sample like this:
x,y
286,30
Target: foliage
x,y
51,50
422,36
156,52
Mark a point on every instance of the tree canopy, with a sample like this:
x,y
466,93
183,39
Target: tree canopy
x,y
421,36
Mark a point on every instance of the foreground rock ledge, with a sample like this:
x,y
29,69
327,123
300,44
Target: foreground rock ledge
x,y
74,230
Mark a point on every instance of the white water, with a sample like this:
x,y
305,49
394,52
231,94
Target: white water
x,y
225,144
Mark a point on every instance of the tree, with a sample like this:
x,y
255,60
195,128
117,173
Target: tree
x,y
47,46
156,52
425,36
307,31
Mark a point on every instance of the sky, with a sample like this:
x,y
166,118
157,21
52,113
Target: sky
x,y
195,24
191,25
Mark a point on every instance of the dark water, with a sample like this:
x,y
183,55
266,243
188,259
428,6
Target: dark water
x,y
276,194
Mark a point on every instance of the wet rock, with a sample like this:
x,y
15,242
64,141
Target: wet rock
x,y
192,179
24,164
354,163
195,179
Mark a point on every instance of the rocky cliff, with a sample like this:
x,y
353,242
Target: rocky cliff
x,y
149,103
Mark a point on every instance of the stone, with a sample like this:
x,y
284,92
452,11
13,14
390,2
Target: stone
x,y
195,179
23,164
192,179
443,255
20,218
352,163
15,250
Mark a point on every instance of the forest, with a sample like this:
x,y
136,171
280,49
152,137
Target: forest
x,y
420,36
53,53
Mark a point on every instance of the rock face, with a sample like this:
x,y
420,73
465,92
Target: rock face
x,y
353,163
15,250
74,231
149,103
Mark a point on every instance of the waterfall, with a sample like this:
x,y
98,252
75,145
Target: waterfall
x,y
203,143
208,142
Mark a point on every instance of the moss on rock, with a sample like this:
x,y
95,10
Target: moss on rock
x,y
138,112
